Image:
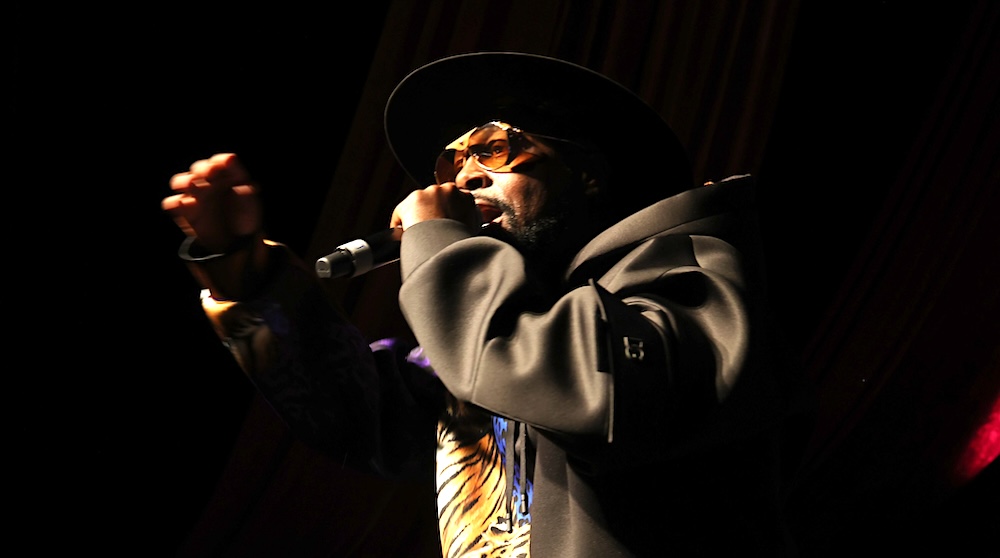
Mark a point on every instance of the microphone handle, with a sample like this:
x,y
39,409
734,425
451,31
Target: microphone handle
x,y
361,256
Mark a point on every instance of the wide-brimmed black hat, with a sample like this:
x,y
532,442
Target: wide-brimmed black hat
x,y
440,101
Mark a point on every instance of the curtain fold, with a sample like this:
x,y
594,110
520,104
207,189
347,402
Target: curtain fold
x,y
906,361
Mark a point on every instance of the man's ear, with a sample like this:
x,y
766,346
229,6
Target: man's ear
x,y
595,200
591,185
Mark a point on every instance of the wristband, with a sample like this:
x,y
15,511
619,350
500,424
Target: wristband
x,y
192,252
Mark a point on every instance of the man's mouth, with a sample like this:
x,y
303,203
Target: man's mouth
x,y
490,212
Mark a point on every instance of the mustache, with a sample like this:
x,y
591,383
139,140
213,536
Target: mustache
x,y
504,207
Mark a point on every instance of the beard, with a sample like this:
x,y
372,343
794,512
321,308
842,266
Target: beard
x,y
548,242
540,236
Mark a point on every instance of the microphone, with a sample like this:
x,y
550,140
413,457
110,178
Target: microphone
x,y
360,256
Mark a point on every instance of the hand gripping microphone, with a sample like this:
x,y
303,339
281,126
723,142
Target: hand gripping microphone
x,y
362,255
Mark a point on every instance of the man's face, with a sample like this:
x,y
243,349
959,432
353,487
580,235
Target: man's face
x,y
531,202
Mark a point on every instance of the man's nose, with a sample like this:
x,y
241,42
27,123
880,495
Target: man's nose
x,y
472,176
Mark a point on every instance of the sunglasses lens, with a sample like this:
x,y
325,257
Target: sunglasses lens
x,y
490,145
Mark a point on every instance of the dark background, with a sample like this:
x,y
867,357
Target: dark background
x,y
132,424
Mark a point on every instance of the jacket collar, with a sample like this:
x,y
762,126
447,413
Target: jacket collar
x,y
735,193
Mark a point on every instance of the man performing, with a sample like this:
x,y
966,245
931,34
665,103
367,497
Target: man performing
x,y
596,372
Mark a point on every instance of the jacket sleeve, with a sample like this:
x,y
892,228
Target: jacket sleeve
x,y
367,405
641,359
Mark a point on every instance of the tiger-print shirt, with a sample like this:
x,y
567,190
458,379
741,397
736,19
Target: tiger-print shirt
x,y
473,513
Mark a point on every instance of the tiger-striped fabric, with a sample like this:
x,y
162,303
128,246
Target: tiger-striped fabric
x,y
471,489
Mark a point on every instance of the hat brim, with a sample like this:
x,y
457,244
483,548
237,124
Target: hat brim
x,y
442,100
